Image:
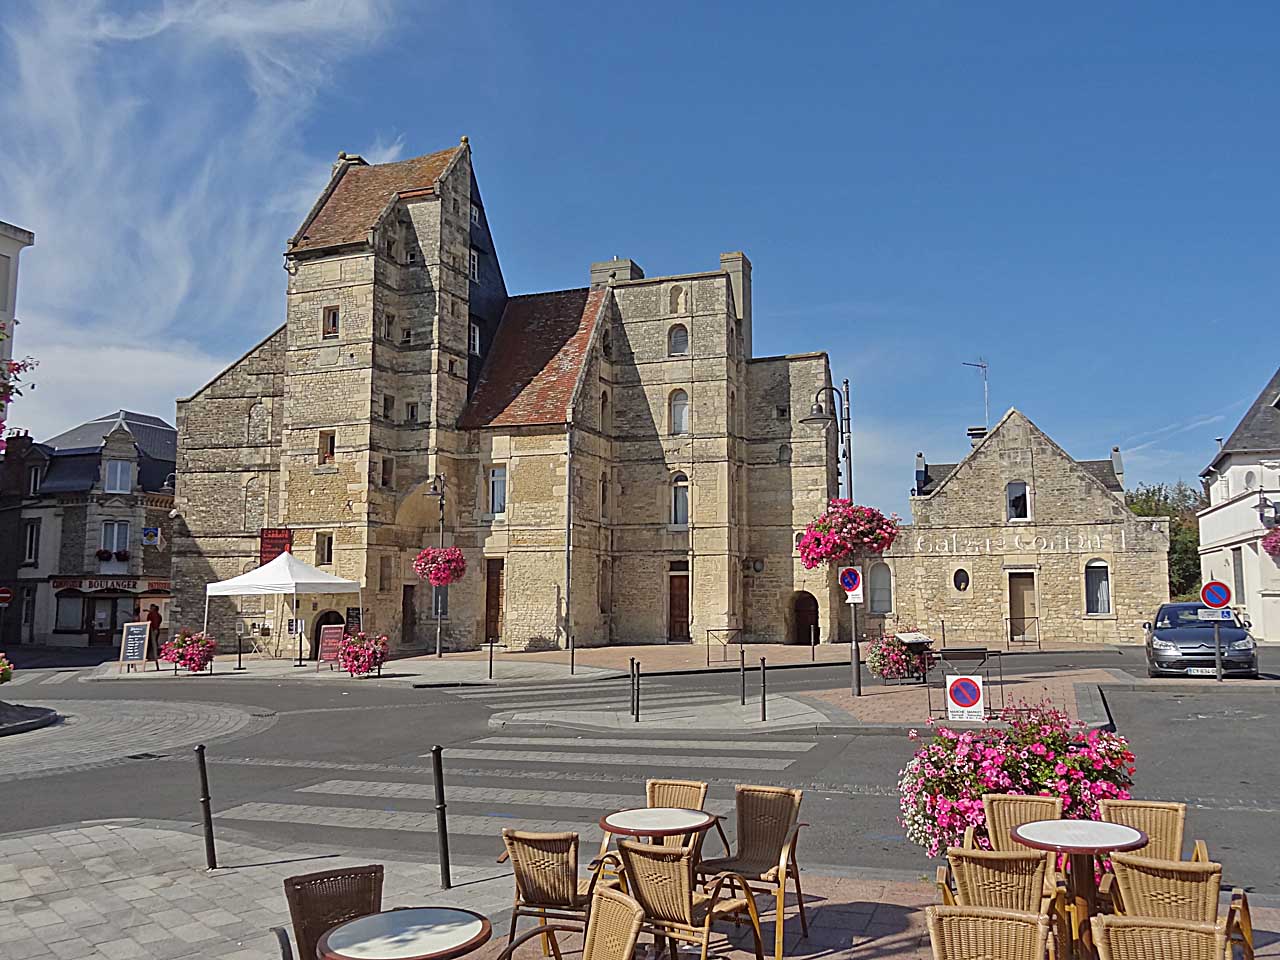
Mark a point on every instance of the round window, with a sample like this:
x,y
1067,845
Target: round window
x,y
961,579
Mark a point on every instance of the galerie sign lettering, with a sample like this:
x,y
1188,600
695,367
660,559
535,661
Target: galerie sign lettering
x,y
1060,541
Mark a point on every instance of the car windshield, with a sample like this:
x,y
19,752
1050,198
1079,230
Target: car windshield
x,y
1181,615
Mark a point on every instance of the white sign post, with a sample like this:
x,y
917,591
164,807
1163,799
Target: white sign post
x,y
965,699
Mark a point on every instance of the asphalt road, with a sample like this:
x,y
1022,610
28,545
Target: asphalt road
x,y
346,765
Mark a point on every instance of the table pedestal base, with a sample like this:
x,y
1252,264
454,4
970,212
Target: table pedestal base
x,y
1082,888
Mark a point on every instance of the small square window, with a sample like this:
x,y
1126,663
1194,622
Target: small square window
x,y
324,549
411,255
411,412
388,406
474,342
782,411
329,328
475,264
406,336
327,447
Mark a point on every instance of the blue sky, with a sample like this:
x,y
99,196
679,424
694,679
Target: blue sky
x,y
1084,196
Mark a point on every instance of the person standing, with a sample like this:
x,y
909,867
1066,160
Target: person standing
x,y
153,630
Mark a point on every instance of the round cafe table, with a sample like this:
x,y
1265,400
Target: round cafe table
x,y
416,933
1080,841
657,822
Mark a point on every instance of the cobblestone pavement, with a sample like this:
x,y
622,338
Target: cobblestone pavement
x,y
99,731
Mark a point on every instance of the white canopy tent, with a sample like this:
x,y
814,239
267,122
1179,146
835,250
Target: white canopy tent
x,y
286,574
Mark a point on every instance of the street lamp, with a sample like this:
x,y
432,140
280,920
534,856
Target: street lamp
x,y
437,490
819,414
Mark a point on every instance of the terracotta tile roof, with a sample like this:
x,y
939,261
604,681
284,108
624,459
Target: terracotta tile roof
x,y
534,361
361,194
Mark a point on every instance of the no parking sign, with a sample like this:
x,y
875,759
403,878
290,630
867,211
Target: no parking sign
x,y
964,699
851,583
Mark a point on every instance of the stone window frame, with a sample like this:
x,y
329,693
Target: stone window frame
x,y
406,336
115,545
112,482
604,496
871,607
679,482
330,322
387,473
1008,503
490,475
388,406
411,411
326,447
671,413
324,557
672,349
605,417
1097,562
968,587
388,326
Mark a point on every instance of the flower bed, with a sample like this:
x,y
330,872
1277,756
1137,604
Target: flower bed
x,y
361,655
844,531
889,659
440,566
195,651
1042,752
6,669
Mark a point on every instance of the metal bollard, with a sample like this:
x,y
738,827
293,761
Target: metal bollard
x,y
240,652
637,719
742,671
442,825
1217,651
490,658
813,641
206,810
855,655
572,648
631,680
763,692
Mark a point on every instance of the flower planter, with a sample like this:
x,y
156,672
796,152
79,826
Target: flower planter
x,y
104,555
361,655
194,651
122,556
844,531
1271,543
440,566
6,669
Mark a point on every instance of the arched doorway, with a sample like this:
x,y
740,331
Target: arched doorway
x,y
327,619
804,618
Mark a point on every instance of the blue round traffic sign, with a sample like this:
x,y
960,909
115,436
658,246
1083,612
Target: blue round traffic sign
x,y
849,579
1215,594
964,692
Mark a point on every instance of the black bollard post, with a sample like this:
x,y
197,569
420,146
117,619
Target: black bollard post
x,y
299,663
240,652
813,641
206,811
572,649
742,671
490,658
442,826
637,691
631,680
1217,651
763,692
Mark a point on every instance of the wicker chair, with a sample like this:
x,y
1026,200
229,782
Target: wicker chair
x,y
685,794
662,880
768,830
979,933
545,867
1179,890
611,932
320,901
1143,938
1163,823
1006,881
1004,811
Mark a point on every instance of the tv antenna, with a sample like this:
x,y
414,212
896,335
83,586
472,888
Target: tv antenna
x,y
986,395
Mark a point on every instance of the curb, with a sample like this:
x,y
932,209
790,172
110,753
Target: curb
x,y
44,717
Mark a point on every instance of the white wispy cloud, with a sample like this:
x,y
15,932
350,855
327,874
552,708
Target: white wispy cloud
x,y
156,154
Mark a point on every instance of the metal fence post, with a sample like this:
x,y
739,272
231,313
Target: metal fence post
x,y
763,692
442,825
206,810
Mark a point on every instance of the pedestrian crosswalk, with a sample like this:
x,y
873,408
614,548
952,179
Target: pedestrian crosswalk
x,y
552,783
610,694
28,676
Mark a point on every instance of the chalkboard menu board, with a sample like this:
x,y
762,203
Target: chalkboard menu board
x,y
353,620
133,643
330,637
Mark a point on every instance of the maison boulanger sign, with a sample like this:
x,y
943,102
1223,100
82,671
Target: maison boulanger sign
x,y
1059,541
125,584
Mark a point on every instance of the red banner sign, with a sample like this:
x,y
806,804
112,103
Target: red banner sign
x,y
273,541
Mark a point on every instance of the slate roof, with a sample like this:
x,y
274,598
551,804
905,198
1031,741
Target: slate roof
x,y
1259,428
352,205
535,359
155,437
1105,471
70,473
934,474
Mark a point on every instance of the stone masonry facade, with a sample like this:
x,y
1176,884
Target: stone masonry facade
x,y
618,467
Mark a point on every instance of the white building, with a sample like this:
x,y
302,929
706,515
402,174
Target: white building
x,y
1244,506
13,240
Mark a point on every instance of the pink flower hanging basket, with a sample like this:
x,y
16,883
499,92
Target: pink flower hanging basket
x,y
1271,543
440,566
843,532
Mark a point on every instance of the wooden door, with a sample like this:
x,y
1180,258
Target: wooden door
x,y
408,616
494,593
1023,609
805,629
678,608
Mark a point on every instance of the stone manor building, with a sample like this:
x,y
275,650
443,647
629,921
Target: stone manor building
x,y
618,466
1017,542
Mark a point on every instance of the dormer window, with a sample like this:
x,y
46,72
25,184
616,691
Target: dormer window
x,y
475,264
33,481
119,478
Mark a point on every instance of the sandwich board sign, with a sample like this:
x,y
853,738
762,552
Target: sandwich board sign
x,y
133,644
330,639
851,584
965,700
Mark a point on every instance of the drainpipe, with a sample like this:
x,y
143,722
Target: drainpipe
x,y
568,533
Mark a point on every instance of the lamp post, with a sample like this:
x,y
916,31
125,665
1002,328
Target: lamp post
x,y
840,416
437,490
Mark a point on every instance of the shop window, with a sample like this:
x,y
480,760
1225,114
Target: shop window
x,y
1017,501
327,447
678,341
679,413
1097,587
497,490
960,580
324,549
680,500
119,477
31,541
880,587
69,615
329,325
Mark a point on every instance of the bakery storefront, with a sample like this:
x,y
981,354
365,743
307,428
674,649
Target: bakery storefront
x,y
91,611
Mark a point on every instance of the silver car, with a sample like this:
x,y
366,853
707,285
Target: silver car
x,y
1180,644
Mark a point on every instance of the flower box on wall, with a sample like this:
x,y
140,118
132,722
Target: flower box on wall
x,y
122,556
104,555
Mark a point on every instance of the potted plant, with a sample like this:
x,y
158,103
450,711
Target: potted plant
x,y
361,655
122,556
104,554
1038,750
440,566
195,651
887,658
6,669
843,531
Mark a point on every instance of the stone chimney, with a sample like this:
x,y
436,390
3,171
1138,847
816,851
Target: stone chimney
x,y
1117,465
615,269
738,267
349,160
976,435
920,475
